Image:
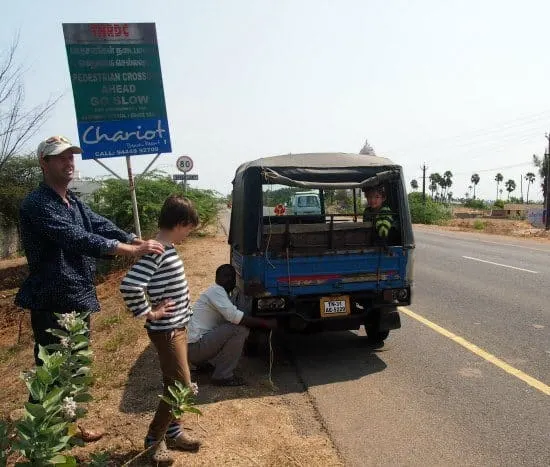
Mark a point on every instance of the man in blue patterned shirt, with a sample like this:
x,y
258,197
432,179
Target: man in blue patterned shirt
x,y
62,237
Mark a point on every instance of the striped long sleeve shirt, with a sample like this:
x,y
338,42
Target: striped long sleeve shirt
x,y
153,279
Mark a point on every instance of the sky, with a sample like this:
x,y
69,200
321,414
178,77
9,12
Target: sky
x,y
459,86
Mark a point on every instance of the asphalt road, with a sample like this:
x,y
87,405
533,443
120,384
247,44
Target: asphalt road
x,y
426,400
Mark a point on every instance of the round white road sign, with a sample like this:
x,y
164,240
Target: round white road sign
x,y
184,164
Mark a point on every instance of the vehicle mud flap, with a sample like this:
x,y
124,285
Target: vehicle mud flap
x,y
389,319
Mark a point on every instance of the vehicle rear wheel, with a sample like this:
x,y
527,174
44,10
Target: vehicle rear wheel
x,y
377,336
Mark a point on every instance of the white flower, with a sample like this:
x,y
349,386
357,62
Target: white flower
x,y
66,342
68,320
28,375
194,388
68,407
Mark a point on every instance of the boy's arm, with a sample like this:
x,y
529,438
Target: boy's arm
x,y
384,222
135,283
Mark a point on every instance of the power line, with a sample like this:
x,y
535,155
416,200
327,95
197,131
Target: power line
x,y
522,164
528,120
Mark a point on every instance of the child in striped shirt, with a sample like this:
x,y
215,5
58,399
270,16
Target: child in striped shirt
x,y
156,288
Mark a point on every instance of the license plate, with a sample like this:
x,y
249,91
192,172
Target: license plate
x,y
335,306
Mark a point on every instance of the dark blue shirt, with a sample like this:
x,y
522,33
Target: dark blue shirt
x,y
61,243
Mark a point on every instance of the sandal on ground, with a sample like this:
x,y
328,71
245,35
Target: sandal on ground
x,y
88,435
184,442
159,453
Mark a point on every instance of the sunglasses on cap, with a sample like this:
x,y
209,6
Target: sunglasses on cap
x,y
57,139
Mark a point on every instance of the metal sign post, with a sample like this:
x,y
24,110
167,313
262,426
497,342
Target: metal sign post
x,y
132,185
118,93
184,164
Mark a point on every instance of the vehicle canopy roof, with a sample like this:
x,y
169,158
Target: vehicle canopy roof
x,y
319,170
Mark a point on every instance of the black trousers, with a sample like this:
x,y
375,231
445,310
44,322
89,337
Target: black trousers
x,y
41,321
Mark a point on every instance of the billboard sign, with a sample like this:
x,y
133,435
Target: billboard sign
x,y
117,87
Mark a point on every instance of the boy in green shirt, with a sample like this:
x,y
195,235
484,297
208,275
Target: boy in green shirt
x,y
377,212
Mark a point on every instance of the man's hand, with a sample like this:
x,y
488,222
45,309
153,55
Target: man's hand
x,y
139,248
270,323
148,246
253,322
162,310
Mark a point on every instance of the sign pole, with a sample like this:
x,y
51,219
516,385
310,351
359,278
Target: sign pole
x,y
133,196
185,182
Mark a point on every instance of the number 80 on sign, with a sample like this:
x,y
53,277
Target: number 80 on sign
x,y
184,164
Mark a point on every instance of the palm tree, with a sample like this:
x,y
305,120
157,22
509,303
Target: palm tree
x,y
475,181
530,177
498,179
448,176
435,181
450,196
414,184
510,186
443,184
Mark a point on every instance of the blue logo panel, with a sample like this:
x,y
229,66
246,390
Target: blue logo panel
x,y
124,138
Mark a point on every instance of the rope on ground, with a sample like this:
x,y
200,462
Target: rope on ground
x,y
200,426
271,359
137,456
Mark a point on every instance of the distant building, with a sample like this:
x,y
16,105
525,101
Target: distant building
x,y
519,211
84,189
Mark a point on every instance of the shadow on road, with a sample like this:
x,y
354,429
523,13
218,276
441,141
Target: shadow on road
x,y
325,358
333,357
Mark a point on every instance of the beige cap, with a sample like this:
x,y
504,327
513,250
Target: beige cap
x,y
55,145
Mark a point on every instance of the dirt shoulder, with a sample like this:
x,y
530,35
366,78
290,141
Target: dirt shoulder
x,y
254,425
502,229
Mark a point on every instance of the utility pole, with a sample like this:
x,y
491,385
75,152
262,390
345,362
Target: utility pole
x,y
547,184
424,183
521,187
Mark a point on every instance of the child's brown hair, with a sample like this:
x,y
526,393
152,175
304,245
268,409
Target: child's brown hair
x,y
177,210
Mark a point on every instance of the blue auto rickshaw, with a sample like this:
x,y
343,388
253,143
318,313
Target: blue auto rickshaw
x,y
328,270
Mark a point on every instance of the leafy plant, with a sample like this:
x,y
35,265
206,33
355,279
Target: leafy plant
x,y
479,224
5,447
56,388
181,400
475,204
100,459
18,177
499,203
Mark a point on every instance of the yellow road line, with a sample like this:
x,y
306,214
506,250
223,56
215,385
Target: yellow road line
x,y
533,382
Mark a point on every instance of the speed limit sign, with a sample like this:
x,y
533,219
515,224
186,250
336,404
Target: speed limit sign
x,y
184,164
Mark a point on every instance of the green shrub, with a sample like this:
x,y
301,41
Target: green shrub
x,y
113,201
475,204
499,204
428,213
479,224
